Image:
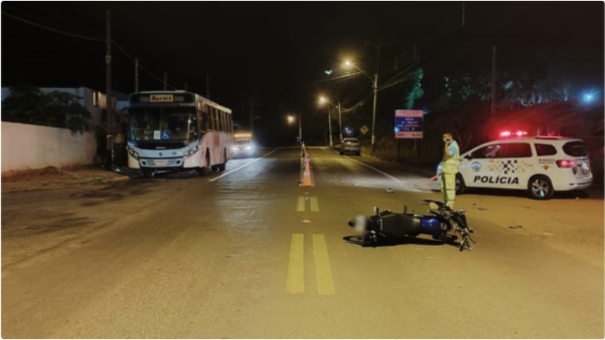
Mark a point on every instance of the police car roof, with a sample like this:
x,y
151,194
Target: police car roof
x,y
535,138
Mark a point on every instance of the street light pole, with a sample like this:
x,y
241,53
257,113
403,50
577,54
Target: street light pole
x,y
375,86
330,126
300,126
340,121
108,96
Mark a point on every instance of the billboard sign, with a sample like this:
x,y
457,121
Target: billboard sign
x,y
408,124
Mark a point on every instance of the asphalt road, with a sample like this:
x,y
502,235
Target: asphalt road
x,y
247,253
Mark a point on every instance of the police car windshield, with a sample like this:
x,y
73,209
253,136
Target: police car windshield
x,y
575,149
162,124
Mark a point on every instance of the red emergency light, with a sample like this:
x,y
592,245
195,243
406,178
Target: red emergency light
x,y
509,134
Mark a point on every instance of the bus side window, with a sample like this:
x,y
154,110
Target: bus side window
x,y
222,117
212,120
219,120
202,121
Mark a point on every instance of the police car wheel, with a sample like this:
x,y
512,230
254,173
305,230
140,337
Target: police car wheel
x,y
540,187
460,186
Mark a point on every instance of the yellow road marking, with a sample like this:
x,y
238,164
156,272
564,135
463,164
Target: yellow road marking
x,y
295,284
314,204
300,206
323,271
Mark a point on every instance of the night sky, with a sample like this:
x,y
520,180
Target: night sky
x,y
277,51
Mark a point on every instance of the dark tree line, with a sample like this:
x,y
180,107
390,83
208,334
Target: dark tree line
x,y
29,105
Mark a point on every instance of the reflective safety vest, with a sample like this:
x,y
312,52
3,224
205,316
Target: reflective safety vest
x,y
451,157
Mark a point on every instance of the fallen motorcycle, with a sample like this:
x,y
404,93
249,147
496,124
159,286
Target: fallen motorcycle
x,y
440,224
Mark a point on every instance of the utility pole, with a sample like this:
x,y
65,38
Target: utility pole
x,y
252,101
493,108
330,126
375,88
340,121
463,14
208,86
108,101
300,126
165,81
252,117
136,75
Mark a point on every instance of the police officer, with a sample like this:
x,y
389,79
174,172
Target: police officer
x,y
449,169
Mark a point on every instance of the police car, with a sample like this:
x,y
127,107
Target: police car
x,y
539,165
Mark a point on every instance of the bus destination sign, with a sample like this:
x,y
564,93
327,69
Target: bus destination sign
x,y
161,98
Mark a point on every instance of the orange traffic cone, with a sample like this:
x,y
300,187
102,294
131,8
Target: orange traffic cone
x,y
307,180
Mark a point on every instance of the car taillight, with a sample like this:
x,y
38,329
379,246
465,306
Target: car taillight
x,y
566,163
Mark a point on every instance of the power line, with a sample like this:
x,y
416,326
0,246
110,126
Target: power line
x,y
119,47
340,77
115,43
52,29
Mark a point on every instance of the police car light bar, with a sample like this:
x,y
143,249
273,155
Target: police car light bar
x,y
511,134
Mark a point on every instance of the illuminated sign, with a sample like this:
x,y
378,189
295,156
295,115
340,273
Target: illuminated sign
x,y
243,136
161,98
408,124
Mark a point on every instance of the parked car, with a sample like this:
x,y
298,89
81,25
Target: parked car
x,y
351,146
539,165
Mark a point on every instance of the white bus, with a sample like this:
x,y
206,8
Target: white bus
x,y
177,130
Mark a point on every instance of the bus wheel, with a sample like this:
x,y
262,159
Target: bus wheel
x,y
222,166
205,170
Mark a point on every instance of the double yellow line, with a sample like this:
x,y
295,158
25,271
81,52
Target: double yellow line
x,y
301,203
295,283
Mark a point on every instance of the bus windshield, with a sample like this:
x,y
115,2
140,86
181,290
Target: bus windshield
x,y
163,124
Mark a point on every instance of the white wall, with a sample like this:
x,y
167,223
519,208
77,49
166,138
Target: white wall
x,y
32,147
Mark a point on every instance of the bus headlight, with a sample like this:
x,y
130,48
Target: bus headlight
x,y
190,152
133,153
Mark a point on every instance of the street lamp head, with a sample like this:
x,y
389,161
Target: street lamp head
x,y
291,119
323,100
348,63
